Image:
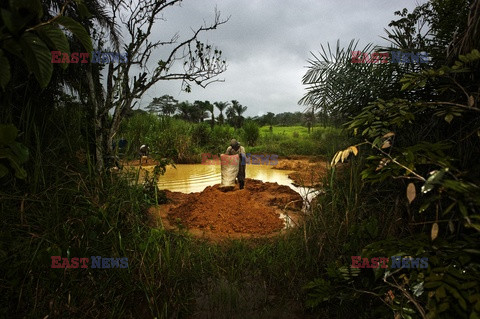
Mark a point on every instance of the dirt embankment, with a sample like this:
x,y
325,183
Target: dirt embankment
x,y
215,213
146,161
308,171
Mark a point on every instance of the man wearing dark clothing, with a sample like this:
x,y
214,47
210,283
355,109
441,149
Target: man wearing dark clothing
x,y
144,150
234,149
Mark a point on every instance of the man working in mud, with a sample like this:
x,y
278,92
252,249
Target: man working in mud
x,y
233,149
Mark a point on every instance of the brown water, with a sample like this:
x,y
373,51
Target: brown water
x,y
190,178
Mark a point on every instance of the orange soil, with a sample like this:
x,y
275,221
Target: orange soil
x,y
307,171
215,213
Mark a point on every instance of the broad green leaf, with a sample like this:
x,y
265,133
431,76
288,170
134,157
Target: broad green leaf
x,y
56,39
4,71
12,46
78,30
37,57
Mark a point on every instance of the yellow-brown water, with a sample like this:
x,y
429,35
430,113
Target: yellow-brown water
x,y
189,178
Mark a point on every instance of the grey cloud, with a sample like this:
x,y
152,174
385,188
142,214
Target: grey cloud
x,y
267,42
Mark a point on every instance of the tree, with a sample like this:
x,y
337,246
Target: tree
x,y
185,109
165,104
200,110
221,106
201,64
238,110
310,118
230,112
269,119
210,108
341,88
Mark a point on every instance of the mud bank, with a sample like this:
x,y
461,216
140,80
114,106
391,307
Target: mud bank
x,y
308,171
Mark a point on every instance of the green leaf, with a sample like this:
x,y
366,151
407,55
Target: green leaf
x,y
20,151
37,57
83,10
78,30
56,39
14,163
463,208
9,20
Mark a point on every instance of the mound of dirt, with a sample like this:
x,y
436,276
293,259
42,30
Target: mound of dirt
x,y
215,213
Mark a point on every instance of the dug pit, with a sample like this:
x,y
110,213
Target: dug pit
x,y
259,210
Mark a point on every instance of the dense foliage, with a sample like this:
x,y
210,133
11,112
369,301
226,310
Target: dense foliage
x,y
422,145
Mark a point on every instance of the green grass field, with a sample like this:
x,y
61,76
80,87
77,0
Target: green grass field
x,y
287,130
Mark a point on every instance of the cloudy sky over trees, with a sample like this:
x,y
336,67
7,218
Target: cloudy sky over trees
x,y
267,43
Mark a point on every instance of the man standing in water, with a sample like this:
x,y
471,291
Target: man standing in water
x,y
234,149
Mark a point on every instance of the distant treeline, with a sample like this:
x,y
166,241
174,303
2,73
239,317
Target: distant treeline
x,y
228,113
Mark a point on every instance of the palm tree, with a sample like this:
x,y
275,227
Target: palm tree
x,y
342,88
230,112
200,109
221,106
185,109
239,110
210,108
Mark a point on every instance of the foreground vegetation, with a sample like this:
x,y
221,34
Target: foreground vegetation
x,y
408,186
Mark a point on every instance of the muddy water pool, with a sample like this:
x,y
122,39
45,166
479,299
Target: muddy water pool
x,y
191,178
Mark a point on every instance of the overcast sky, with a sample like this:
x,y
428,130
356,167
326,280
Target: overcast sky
x,y
267,44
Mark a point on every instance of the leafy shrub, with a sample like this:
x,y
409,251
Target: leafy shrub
x,y
201,134
251,133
